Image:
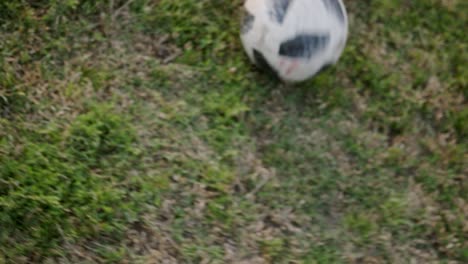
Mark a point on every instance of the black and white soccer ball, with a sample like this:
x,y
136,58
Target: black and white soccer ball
x,y
294,39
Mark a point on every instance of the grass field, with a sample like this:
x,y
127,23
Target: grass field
x,y
138,132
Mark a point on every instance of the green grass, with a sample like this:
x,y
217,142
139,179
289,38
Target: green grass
x,y
114,150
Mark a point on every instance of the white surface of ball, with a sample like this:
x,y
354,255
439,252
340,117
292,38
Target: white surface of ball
x,y
294,39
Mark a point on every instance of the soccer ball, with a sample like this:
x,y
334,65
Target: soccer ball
x,y
294,39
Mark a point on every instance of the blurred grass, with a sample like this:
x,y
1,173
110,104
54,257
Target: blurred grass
x,y
137,130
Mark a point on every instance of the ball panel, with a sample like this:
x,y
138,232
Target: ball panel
x,y
262,63
304,45
279,10
335,7
247,21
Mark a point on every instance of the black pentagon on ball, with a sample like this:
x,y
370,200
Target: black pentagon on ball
x,y
247,21
304,45
335,7
279,10
262,63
